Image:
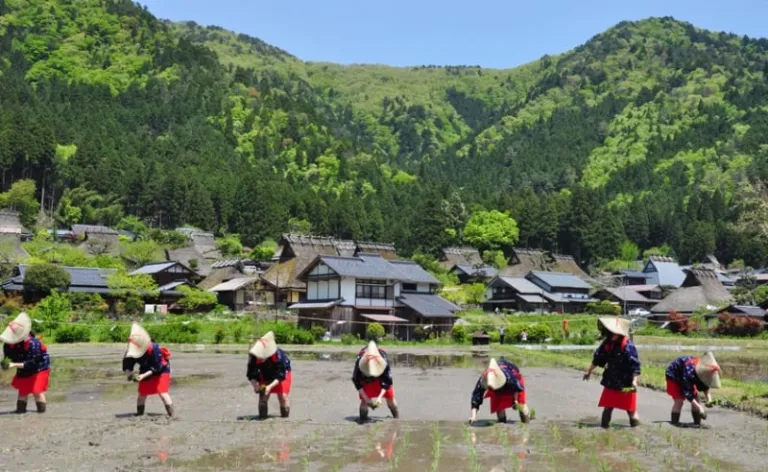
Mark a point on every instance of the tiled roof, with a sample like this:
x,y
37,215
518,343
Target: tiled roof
x,y
413,272
364,267
522,285
153,268
560,280
487,272
93,229
234,284
667,271
428,305
627,294
79,276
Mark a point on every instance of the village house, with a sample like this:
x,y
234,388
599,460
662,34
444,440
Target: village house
x,y
228,269
295,252
169,275
651,292
663,271
344,294
701,288
632,277
200,252
240,294
539,291
451,257
625,297
97,239
471,274
82,280
754,312
523,261
515,294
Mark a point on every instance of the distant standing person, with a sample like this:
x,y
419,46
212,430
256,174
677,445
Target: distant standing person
x,y
154,375
622,367
501,335
565,328
504,385
269,371
30,357
372,378
687,376
523,336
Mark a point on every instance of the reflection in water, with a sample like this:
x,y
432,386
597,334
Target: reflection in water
x,y
162,449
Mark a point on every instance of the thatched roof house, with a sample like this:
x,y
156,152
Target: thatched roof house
x,y
200,252
461,256
524,261
700,288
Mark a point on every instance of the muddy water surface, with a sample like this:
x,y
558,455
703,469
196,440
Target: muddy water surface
x,y
89,424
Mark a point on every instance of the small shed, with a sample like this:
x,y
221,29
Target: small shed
x,y
240,294
165,273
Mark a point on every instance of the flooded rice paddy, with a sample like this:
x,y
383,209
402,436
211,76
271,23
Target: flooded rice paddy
x,y
89,424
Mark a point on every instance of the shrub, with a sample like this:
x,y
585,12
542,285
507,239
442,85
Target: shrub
x,y
585,337
512,333
87,301
132,305
52,311
728,325
539,332
681,324
42,279
494,335
72,333
180,332
283,331
113,334
219,335
419,333
194,298
459,334
302,336
237,333
375,332
349,339
317,332
603,307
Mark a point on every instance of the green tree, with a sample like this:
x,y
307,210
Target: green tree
x,y
123,283
629,251
495,259
491,230
21,198
194,298
139,253
42,279
230,245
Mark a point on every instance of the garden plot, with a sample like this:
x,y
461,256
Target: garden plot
x,y
90,427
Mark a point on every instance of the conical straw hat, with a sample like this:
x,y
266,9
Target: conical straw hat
x,y
372,364
708,371
17,330
616,325
265,346
493,377
138,342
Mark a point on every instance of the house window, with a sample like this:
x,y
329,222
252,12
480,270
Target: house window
x,y
372,289
409,287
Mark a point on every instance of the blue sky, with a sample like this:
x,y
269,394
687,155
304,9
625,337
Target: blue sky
x,y
489,33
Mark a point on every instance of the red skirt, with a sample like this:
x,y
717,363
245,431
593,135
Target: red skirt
x,y
675,390
155,384
501,401
611,398
37,383
373,390
283,387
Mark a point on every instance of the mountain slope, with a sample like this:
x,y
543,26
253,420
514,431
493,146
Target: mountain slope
x,y
652,132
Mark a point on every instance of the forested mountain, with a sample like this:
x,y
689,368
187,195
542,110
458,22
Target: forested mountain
x,y
653,131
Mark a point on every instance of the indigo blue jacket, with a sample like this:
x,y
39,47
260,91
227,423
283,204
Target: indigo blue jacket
x,y
514,383
683,371
360,380
32,352
268,370
152,360
621,363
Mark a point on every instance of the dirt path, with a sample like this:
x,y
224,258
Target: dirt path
x,y
89,424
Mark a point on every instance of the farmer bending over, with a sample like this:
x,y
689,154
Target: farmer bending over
x,y
154,375
30,358
269,371
503,383
373,380
686,377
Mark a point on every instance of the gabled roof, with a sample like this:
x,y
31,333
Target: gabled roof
x,y
524,260
627,294
185,255
754,311
560,280
635,274
428,305
461,256
234,284
82,279
643,288
154,268
664,271
519,284
93,229
414,273
472,271
700,288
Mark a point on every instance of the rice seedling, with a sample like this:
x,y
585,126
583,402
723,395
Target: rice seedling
x,y
554,430
436,446
473,460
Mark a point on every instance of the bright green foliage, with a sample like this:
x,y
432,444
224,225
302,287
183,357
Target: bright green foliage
x,y
79,205
230,245
122,282
139,253
495,259
475,293
375,331
459,334
629,251
195,298
491,230
21,198
603,307
44,279
51,312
